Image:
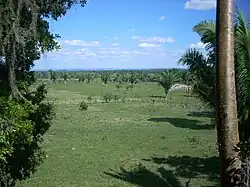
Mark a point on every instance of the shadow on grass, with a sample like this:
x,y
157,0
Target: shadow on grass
x,y
202,114
191,167
141,176
183,123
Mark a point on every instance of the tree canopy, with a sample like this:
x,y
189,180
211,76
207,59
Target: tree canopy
x,y
24,115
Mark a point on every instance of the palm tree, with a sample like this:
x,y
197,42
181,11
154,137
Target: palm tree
x,y
167,79
202,67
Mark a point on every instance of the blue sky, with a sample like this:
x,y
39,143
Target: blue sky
x,y
119,34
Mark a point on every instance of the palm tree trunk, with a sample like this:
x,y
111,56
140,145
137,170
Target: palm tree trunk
x,y
227,127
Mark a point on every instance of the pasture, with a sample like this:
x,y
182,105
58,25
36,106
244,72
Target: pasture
x,y
140,138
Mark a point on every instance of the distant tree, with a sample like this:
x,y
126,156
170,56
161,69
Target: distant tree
x,y
52,76
117,77
81,78
133,77
105,77
167,79
89,77
124,77
65,77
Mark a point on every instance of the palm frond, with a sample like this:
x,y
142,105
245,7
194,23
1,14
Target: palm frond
x,y
242,68
168,79
203,70
206,30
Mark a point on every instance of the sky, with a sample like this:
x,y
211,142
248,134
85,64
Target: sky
x,y
131,34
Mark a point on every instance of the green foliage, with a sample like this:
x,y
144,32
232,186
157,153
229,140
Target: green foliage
x,y
81,78
65,76
107,97
119,77
203,69
83,105
118,86
167,80
89,77
22,129
105,77
116,97
133,76
25,116
129,87
52,76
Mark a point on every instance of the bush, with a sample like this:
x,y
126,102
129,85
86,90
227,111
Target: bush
x,y
118,86
83,106
21,130
116,97
107,97
129,87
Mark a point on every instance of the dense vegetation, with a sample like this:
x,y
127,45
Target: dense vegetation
x,y
203,68
25,114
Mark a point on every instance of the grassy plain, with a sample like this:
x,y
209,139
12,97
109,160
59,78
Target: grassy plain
x,y
142,139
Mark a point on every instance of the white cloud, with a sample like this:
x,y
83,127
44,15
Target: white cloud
x,y
143,55
198,45
154,39
116,38
131,30
81,43
200,4
78,53
149,45
115,44
161,18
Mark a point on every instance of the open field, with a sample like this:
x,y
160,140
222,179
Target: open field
x,y
141,139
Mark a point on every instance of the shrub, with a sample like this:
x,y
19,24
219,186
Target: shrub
x,y
108,97
129,87
118,86
21,130
116,97
83,106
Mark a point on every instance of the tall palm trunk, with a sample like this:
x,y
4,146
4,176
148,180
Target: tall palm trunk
x,y
227,127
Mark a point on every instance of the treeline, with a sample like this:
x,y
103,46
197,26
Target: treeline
x,y
115,76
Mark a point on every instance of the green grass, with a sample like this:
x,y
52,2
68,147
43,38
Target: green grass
x,y
148,142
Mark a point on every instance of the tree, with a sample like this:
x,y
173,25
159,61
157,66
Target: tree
x,y
89,77
226,108
52,76
105,77
24,115
81,78
167,80
203,69
65,77
133,76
